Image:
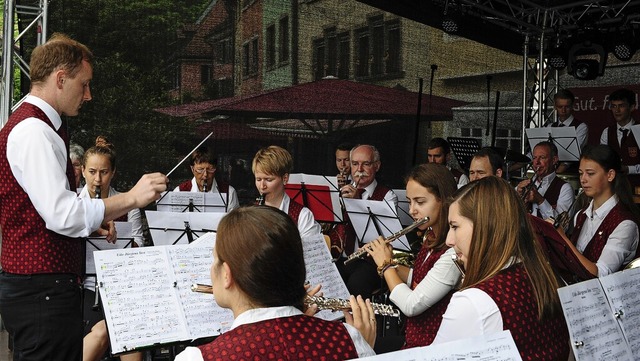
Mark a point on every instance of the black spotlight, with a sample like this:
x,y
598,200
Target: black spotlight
x,y
586,60
449,25
556,59
585,69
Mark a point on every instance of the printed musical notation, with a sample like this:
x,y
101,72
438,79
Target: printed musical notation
x,y
495,347
603,316
147,297
321,270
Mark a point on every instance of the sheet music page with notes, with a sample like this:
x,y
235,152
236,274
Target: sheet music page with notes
x,y
160,278
495,347
622,291
322,270
593,330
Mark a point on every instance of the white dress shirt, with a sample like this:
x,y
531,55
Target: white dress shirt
x,y
622,242
38,160
390,197
307,225
604,139
262,314
233,196
565,198
440,280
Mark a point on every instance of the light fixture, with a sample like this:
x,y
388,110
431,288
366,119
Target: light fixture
x,y
586,60
557,58
623,50
449,25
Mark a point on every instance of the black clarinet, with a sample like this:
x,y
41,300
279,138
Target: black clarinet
x,y
260,200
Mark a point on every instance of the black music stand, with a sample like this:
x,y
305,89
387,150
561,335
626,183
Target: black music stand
x,y
193,202
171,228
464,149
319,193
564,138
372,219
403,207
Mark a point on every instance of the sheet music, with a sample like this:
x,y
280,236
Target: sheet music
x,y
593,330
168,228
124,240
362,213
622,291
322,270
495,347
202,202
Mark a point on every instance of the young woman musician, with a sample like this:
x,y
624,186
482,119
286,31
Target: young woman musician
x,y
605,235
258,272
203,167
271,167
98,169
422,293
508,284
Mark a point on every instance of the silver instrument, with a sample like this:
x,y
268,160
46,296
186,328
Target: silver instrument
x,y
633,264
458,264
362,252
323,303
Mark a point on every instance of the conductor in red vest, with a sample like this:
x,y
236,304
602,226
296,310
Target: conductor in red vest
x,y
42,219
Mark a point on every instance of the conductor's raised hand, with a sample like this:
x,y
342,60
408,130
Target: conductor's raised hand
x,y
362,318
148,189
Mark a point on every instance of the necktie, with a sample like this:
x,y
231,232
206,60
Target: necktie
x,y
62,132
561,125
625,136
359,193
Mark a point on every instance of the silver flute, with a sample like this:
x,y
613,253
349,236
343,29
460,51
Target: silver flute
x,y
458,264
323,303
362,252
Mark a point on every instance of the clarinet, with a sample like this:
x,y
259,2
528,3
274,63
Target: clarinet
x,y
260,200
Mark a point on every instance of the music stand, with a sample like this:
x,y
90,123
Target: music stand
x,y
564,138
464,149
192,202
403,207
170,228
319,193
371,219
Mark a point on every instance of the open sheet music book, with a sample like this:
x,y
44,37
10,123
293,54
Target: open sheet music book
x,y
162,277
495,347
603,316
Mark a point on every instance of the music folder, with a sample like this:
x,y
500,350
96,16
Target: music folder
x,y
603,316
371,219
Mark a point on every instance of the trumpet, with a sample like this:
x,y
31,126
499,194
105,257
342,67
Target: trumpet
x,y
531,185
362,253
342,177
323,303
562,220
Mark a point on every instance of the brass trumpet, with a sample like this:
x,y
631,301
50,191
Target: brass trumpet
x,y
323,303
531,185
362,252
563,219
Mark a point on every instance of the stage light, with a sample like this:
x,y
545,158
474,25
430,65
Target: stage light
x,y
556,58
623,50
449,25
586,60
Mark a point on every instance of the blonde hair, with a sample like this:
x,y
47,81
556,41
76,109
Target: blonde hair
x,y
501,235
273,160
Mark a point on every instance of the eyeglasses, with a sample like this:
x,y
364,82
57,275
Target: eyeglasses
x,y
202,170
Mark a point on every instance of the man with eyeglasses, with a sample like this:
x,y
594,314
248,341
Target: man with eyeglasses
x,y
203,168
620,137
361,277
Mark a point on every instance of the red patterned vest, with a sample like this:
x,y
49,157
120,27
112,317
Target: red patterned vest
x,y
628,152
294,210
186,186
536,340
28,247
553,193
600,238
288,338
422,329
343,236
